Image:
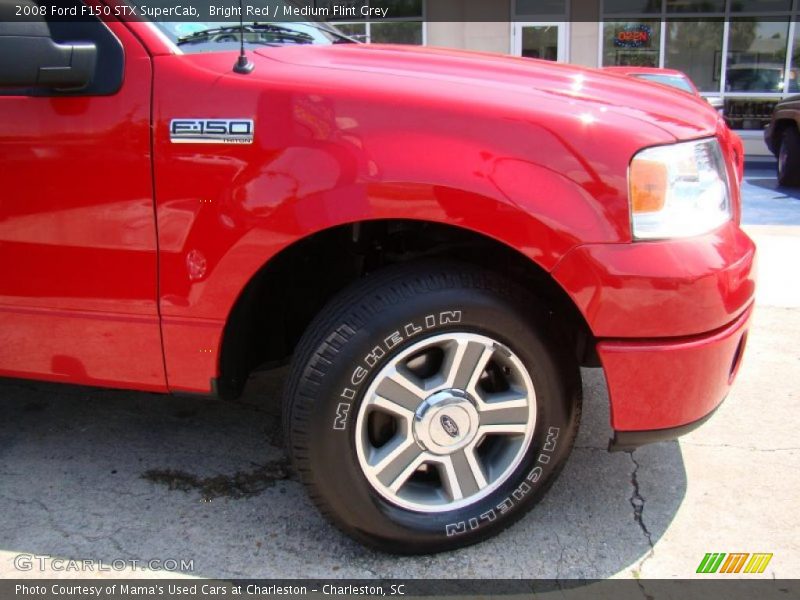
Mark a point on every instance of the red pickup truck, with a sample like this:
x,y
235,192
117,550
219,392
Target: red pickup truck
x,y
435,240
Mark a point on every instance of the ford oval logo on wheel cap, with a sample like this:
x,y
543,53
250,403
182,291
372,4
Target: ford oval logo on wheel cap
x,y
449,425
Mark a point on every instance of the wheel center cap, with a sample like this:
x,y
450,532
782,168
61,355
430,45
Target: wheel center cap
x,y
446,422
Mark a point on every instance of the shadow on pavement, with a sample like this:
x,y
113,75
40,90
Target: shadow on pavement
x,y
765,202
778,192
107,475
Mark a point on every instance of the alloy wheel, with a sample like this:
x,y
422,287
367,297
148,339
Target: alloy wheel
x,y
445,422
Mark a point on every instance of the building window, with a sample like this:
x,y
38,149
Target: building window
x,y
796,51
540,29
627,43
541,41
540,8
745,51
615,7
757,56
695,47
695,6
407,25
760,6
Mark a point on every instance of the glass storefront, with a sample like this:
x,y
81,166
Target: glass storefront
x,y
745,51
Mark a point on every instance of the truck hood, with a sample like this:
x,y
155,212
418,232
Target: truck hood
x,y
790,102
681,115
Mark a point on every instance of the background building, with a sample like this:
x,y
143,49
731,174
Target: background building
x,y
745,51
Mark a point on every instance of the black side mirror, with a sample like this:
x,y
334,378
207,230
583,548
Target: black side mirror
x,y
29,58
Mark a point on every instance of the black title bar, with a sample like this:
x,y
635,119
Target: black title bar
x,y
351,11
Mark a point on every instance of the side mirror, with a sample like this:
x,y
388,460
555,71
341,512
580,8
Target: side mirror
x,y
30,58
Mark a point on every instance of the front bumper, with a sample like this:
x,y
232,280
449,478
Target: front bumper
x,y
671,319
626,441
663,389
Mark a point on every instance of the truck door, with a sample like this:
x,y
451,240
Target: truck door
x,y
78,270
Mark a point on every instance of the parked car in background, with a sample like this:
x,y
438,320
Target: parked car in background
x,y
783,139
669,77
760,77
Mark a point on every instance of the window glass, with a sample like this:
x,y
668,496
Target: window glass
x,y
399,8
354,30
540,41
384,32
207,36
760,6
403,26
631,43
795,73
756,56
695,47
541,7
396,32
695,6
631,6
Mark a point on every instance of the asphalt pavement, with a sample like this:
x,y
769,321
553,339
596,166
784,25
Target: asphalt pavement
x,y
105,476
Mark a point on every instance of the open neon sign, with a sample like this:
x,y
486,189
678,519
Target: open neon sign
x,y
636,36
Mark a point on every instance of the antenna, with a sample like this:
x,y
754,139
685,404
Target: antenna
x,y
243,65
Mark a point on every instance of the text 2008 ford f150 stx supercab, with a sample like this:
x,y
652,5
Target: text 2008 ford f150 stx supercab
x,y
436,240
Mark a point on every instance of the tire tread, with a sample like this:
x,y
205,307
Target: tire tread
x,y
353,307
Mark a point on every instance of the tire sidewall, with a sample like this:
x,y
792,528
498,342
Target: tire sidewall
x,y
783,158
351,365
788,165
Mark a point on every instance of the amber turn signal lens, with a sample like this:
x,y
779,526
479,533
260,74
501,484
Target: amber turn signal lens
x,y
678,190
649,180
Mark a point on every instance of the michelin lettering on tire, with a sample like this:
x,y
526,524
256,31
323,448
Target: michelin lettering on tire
x,y
390,341
506,505
485,414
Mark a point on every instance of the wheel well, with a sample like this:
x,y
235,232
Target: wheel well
x,y
279,302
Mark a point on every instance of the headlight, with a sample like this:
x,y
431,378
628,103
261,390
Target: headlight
x,y
680,190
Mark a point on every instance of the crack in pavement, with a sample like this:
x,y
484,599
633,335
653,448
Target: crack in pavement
x,y
560,558
637,502
90,539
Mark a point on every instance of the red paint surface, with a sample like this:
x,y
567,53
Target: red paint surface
x,y
662,289
532,154
666,384
78,258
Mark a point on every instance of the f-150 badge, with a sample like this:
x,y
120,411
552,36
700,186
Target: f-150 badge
x,y
211,131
